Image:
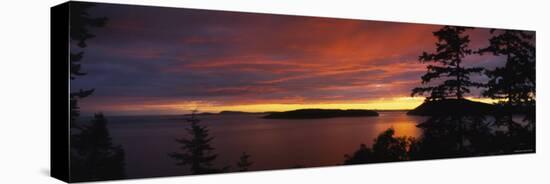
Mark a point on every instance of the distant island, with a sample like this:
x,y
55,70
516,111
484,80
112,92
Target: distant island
x,y
452,107
226,113
319,113
238,112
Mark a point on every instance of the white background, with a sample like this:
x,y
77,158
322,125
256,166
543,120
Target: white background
x,y
24,90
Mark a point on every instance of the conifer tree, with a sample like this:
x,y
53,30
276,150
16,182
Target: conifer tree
x,y
79,23
515,81
447,67
96,158
93,155
514,85
244,162
197,152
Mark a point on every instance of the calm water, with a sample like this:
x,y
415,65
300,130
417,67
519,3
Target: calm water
x,y
273,144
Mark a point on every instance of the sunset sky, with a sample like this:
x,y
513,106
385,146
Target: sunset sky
x,y
149,60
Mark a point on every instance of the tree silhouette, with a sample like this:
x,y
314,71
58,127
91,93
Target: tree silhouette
x,y
93,155
386,148
80,21
97,158
197,152
454,136
361,156
514,85
515,81
244,162
451,48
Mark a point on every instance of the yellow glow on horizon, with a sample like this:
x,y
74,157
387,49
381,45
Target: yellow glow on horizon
x,y
484,100
395,103
382,104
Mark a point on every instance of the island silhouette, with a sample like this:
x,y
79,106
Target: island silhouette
x,y
320,113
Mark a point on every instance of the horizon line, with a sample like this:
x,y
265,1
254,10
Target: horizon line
x,y
218,112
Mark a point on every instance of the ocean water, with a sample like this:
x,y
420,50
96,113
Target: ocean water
x,y
272,143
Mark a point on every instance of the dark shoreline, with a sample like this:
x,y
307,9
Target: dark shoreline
x,y
320,113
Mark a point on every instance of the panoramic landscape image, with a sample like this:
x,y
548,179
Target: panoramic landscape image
x,y
172,91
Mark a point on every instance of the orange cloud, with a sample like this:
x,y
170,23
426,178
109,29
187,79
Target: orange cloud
x,y
234,61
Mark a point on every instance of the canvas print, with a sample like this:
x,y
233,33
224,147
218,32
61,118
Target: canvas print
x,y
157,91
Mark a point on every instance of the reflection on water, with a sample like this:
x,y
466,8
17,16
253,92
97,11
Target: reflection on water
x,y
272,143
